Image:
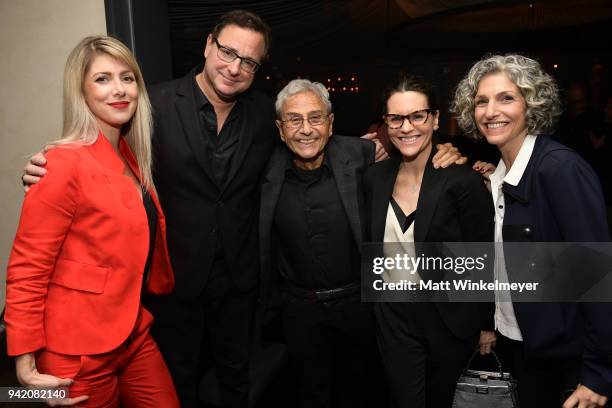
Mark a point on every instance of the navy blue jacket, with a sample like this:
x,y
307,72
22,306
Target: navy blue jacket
x,y
559,199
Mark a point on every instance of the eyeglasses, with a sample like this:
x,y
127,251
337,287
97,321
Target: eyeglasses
x,y
419,117
229,55
296,122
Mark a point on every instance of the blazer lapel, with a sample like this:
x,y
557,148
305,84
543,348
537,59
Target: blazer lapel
x,y
381,196
185,108
345,176
431,187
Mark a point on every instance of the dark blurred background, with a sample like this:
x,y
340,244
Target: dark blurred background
x,y
356,47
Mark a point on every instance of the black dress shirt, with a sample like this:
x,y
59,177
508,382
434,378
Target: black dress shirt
x,y
220,148
316,247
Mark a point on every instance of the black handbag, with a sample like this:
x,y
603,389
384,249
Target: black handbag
x,y
485,389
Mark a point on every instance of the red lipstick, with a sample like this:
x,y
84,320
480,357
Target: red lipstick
x,y
119,105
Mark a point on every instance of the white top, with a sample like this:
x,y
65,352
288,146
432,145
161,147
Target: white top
x,y
404,245
505,319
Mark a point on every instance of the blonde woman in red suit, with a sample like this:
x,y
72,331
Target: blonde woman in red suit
x,y
84,248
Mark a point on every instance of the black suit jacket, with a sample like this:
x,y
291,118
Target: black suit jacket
x,y
349,157
454,205
196,208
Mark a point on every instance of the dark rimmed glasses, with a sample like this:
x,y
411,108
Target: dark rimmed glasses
x,y
419,117
295,122
228,55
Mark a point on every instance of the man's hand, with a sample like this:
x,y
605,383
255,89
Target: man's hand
x,y
381,153
487,341
446,155
28,376
584,397
34,170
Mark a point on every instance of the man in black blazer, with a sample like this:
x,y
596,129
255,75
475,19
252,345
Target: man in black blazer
x,y
310,236
212,139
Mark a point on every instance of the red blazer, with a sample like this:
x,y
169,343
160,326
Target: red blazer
x,y
75,271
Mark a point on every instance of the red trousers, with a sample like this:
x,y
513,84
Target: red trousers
x,y
133,375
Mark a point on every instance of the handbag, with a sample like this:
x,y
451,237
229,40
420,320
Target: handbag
x,y
485,389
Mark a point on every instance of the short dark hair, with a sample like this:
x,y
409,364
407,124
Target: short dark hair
x,y
409,82
244,19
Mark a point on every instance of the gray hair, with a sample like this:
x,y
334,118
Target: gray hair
x,y
298,86
543,105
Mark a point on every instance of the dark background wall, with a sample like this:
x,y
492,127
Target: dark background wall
x,y
143,25
372,41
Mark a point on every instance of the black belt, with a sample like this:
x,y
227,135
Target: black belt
x,y
322,295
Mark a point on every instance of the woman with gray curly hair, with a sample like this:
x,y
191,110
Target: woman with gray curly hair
x,y
543,192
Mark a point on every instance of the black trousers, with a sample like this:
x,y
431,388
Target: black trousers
x,y
215,328
332,350
422,358
541,383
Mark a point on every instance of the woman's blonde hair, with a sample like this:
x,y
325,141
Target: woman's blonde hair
x,y
80,124
537,87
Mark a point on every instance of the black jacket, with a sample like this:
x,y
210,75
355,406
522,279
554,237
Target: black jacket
x,y
454,205
196,209
349,157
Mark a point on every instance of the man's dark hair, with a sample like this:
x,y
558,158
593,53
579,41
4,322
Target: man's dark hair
x,y
244,19
408,82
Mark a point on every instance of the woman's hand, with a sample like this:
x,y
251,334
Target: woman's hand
x,y
584,397
28,376
487,341
485,169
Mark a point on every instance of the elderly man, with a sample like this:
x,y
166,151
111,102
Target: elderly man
x,y
310,239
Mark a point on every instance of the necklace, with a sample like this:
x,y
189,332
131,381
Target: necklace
x,y
412,188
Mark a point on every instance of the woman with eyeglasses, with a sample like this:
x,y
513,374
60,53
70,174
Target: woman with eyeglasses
x,y
425,345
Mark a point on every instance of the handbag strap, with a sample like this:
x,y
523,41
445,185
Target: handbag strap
x,y
499,364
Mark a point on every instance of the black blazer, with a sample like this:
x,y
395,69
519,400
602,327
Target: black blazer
x,y
196,208
349,157
454,205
